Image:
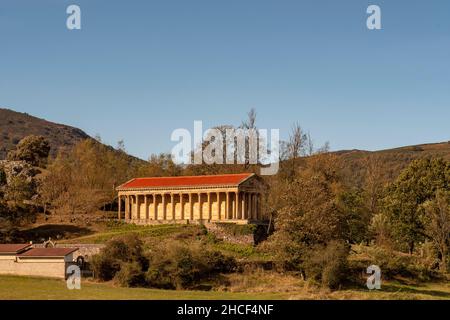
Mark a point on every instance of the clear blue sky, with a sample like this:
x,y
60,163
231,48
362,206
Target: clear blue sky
x,y
139,69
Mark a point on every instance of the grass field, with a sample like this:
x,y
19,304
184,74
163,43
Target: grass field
x,y
25,288
252,285
144,232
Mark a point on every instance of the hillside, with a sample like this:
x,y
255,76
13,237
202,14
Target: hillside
x,y
16,125
390,162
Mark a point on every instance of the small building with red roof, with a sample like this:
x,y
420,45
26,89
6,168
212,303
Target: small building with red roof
x,y
235,198
25,260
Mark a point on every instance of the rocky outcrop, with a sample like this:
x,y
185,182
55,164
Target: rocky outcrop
x,y
18,169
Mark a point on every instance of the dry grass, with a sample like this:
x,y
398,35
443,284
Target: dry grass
x,y
258,280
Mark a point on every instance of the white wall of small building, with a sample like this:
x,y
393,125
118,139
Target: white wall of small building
x,y
33,266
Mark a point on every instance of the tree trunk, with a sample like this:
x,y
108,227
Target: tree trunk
x,y
411,247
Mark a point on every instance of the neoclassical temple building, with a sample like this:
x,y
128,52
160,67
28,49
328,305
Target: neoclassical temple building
x,y
234,198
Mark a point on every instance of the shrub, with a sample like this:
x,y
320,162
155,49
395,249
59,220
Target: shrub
x,y
130,275
104,267
126,248
218,262
179,266
119,252
393,263
328,265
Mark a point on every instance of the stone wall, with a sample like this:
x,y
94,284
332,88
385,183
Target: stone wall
x,y
231,233
239,234
85,250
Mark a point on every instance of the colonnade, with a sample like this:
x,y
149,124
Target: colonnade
x,y
213,206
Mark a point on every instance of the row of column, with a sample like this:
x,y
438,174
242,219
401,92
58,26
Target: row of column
x,y
238,205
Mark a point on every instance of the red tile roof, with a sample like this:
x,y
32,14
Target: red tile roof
x,y
186,181
13,248
48,252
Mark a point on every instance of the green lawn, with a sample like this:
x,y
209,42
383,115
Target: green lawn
x,y
157,231
25,288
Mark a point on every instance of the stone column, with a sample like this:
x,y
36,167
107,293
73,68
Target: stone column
x,y
243,205
182,206
155,207
172,205
127,207
255,209
235,206
209,206
200,206
227,206
138,207
250,206
119,202
218,206
191,207
146,206
163,196
258,206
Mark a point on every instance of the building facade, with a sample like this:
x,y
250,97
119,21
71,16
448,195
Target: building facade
x,y
25,260
236,198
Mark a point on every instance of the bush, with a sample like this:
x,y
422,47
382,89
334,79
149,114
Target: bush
x,y
104,267
328,265
393,263
127,248
117,253
179,266
218,262
130,275
167,267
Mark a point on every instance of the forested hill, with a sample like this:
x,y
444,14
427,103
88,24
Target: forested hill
x,y
16,125
387,163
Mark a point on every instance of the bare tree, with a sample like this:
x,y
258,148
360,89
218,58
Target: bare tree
x,y
297,142
309,145
250,123
373,184
296,146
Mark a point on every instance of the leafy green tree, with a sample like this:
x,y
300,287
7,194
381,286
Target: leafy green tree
x,y
309,215
437,225
357,215
417,184
32,149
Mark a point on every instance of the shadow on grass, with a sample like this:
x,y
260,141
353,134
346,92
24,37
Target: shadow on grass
x,y
54,231
414,290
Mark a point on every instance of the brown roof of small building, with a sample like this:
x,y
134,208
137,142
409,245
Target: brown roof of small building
x,y
48,252
13,248
187,181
